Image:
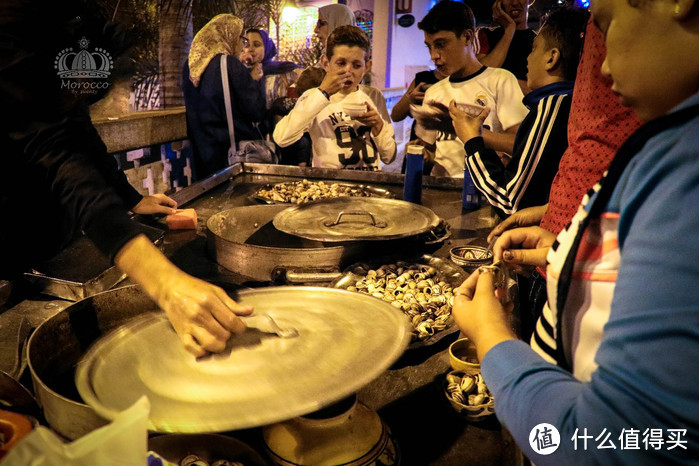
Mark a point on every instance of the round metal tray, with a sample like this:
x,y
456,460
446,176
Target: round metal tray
x,y
344,341
361,191
356,219
451,274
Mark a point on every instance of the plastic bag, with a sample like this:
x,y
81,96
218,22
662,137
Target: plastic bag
x,y
124,441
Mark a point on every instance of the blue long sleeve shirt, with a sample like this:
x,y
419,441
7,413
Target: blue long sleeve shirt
x,y
643,397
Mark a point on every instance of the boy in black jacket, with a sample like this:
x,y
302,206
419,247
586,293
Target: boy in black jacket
x,y
525,180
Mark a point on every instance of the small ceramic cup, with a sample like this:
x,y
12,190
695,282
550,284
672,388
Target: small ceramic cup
x,y
463,356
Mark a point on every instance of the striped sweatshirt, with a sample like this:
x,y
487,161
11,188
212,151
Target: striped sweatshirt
x,y
539,145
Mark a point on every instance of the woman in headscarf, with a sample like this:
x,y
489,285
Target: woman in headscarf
x,y
331,17
203,93
279,75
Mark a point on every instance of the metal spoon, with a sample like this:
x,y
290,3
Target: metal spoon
x,y
489,250
265,323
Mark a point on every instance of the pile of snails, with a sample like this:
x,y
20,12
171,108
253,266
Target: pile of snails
x,y
304,191
468,389
417,290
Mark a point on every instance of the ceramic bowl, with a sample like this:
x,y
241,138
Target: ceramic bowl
x,y
353,110
479,412
463,356
470,109
470,256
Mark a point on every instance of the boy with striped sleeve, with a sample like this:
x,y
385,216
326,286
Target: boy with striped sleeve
x,y
541,139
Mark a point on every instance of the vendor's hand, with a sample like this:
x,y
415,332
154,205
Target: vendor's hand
x,y
530,216
479,313
202,314
256,71
501,17
524,248
333,82
435,118
371,118
466,126
155,204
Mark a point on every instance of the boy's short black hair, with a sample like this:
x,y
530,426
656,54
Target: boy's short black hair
x,y
448,16
564,29
351,36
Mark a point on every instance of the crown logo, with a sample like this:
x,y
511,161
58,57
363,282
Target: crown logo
x,y
83,64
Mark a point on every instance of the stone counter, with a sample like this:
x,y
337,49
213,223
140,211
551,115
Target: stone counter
x,y
142,129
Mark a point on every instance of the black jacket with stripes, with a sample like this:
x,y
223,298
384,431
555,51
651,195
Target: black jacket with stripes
x,y
539,144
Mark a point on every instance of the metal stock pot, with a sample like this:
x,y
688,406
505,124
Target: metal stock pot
x,y
56,346
245,240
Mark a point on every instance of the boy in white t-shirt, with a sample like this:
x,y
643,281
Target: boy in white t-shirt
x,y
449,30
339,140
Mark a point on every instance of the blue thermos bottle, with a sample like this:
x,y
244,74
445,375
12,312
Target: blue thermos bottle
x,y
414,162
471,197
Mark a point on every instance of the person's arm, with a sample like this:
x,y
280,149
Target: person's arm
x,y
203,315
292,127
132,199
414,95
69,157
504,186
248,93
647,347
503,142
497,54
386,143
488,172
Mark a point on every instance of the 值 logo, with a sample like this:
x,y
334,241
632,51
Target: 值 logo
x,y
83,64
544,439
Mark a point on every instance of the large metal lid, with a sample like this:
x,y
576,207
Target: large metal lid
x,y
353,219
344,341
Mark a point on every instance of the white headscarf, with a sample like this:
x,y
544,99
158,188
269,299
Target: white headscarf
x,y
220,35
336,15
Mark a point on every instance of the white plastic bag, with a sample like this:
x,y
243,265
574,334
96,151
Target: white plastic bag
x,y
124,441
